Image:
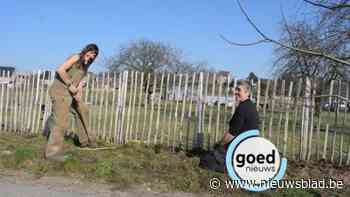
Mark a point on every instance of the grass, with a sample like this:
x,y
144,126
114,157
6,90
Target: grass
x,y
127,165
135,164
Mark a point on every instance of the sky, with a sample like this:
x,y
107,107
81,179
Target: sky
x,y
40,34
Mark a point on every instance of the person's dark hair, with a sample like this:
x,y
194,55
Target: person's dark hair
x,y
90,47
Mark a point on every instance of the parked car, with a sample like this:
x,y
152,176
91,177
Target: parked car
x,y
219,100
334,105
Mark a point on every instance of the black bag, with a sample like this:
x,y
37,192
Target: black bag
x,y
214,160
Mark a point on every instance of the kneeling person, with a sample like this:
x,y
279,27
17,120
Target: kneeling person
x,y
246,115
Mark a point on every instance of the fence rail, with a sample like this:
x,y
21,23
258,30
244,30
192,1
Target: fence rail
x,y
306,119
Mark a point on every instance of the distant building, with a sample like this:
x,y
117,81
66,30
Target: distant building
x,y
6,74
4,70
46,74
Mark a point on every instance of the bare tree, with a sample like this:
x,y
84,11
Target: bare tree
x,y
335,22
152,56
304,35
144,56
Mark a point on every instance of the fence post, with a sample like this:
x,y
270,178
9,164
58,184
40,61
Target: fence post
x,y
150,124
41,100
295,117
234,103
31,103
23,104
113,107
35,108
263,131
10,121
282,107
132,130
217,129
227,93
7,104
101,91
184,100
106,111
306,114
159,106
348,156
15,103
338,105
129,97
118,110
285,139
341,149
165,106
2,103
189,115
124,91
205,100
318,137
333,146
176,108
125,83
272,108
19,104
313,103
325,142
137,132
211,110
198,138
96,99
171,109
258,95
145,106
46,98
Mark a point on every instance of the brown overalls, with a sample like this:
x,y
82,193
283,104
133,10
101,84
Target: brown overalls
x,y
62,102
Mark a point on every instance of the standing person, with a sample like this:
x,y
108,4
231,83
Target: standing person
x,y
66,93
246,115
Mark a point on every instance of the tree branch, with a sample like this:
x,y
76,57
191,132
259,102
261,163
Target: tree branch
x,y
242,44
333,8
270,40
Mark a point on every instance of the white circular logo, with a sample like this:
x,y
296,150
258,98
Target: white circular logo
x,y
256,159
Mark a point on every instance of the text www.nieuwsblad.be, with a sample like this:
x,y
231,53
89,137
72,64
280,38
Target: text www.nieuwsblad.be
x,y
216,183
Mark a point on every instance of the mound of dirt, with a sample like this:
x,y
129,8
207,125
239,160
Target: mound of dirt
x,y
318,170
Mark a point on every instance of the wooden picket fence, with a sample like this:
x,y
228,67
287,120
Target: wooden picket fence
x,y
188,111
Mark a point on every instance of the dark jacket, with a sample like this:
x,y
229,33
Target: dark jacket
x,y
245,118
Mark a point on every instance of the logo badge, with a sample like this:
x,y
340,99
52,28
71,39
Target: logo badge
x,y
254,162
